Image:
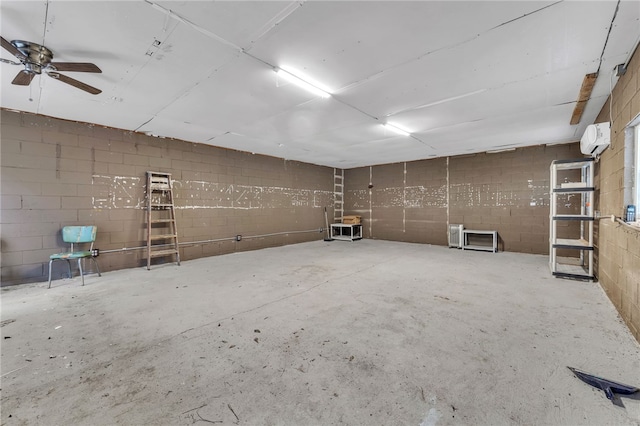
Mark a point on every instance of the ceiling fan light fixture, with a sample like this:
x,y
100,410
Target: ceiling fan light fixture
x,y
37,59
396,129
303,82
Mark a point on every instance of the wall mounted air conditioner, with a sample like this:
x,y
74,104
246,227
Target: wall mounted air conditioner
x,y
595,139
455,235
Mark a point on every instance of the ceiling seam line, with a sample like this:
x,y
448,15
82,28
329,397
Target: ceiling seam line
x,y
278,19
195,26
525,15
452,46
488,89
46,19
606,41
492,117
44,32
146,122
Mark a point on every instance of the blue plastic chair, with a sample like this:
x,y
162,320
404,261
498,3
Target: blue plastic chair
x,y
76,235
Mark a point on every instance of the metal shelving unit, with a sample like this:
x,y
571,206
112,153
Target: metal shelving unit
x,y
571,222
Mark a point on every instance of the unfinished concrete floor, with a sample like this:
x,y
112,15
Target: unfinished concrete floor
x,y
321,333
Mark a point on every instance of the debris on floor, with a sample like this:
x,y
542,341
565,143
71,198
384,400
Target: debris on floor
x,y
609,387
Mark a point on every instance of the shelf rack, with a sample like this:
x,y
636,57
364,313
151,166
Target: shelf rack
x,y
571,222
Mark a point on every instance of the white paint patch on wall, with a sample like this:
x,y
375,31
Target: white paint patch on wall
x,y
116,192
539,194
496,195
410,197
460,195
123,192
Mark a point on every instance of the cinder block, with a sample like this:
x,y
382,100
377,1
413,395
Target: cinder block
x,y
150,151
53,242
67,217
39,121
107,133
21,133
125,147
69,203
93,216
159,163
54,137
77,153
57,189
136,160
40,202
11,118
86,190
21,273
89,142
10,202
10,146
21,244
38,256
21,216
39,229
69,165
74,177
122,170
126,214
12,258
18,167
109,157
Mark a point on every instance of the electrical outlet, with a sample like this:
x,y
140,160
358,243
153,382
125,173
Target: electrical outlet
x,y
238,237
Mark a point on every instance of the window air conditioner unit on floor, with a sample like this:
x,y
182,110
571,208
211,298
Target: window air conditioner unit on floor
x,y
455,235
595,139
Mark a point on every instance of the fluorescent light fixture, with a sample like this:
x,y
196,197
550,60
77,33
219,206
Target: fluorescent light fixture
x,y
396,129
300,80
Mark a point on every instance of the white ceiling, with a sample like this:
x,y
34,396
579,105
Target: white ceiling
x,y
462,76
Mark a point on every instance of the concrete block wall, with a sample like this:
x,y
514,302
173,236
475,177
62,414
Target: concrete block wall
x,y
56,173
414,201
618,246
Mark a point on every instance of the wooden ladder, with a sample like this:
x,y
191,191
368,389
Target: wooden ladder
x,y
338,195
161,213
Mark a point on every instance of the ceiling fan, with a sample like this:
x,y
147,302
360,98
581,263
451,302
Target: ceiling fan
x,y
36,59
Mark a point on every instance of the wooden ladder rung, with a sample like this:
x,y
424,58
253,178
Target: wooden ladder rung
x,y
162,220
159,253
163,236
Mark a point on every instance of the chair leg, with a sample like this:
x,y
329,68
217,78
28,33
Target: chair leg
x,y
80,267
50,262
97,267
69,266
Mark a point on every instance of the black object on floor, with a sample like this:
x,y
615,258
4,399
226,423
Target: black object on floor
x,y
607,386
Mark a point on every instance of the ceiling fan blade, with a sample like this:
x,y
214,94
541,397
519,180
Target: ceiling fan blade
x,y
11,48
74,66
75,83
23,78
